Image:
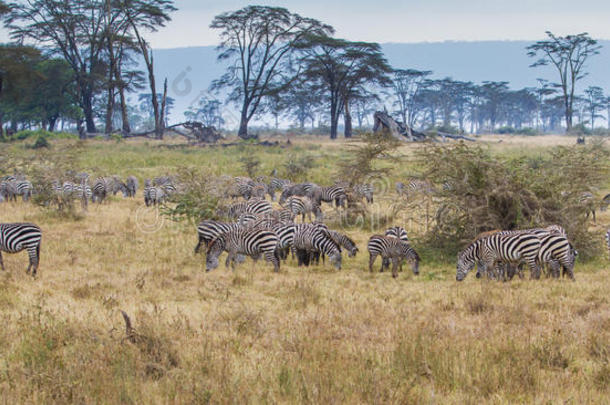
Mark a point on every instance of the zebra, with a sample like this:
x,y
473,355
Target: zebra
x,y
330,194
392,248
102,187
509,269
276,184
132,186
556,250
364,191
154,195
397,232
311,238
413,186
299,190
283,216
304,206
345,242
24,188
163,181
587,201
511,248
8,190
21,236
252,206
245,241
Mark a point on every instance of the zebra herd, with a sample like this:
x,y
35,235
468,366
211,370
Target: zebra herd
x,y
254,228
15,186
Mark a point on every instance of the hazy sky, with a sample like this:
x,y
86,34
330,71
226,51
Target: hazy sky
x,y
406,20
409,20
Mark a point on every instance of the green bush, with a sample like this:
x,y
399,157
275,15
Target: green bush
x,y
41,142
477,191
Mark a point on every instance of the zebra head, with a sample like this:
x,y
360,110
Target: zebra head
x,y
215,248
466,261
335,259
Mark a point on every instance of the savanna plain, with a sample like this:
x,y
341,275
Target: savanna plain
x,y
304,335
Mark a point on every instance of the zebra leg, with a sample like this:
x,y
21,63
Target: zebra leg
x,y
394,267
385,263
199,243
372,257
273,258
535,270
230,261
1,262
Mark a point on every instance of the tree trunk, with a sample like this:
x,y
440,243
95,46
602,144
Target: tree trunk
x,y
52,123
124,114
87,100
161,128
334,117
347,119
109,107
243,125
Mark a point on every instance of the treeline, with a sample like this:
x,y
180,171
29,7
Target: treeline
x,y
280,64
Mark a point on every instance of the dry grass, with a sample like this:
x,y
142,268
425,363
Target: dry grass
x,y
301,336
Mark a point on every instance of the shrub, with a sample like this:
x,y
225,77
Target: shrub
x,y
478,192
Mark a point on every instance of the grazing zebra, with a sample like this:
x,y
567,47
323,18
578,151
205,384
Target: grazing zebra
x,y
245,241
397,232
556,250
252,206
413,186
132,186
24,188
330,194
275,185
512,248
8,190
364,191
345,242
392,248
21,236
102,187
312,238
510,269
303,206
299,190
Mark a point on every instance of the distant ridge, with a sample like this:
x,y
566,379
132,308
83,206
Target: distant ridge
x,y
191,70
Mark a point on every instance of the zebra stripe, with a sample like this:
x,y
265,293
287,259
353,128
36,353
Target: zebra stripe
x,y
500,248
245,241
251,206
392,248
330,194
132,186
304,206
21,236
312,238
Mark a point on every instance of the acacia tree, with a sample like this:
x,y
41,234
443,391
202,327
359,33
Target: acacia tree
x,y
568,55
406,84
345,69
259,41
207,111
594,103
72,29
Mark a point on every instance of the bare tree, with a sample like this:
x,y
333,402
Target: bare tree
x,y
259,41
149,15
568,55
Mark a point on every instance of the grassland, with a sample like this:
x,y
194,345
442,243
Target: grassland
x,y
301,336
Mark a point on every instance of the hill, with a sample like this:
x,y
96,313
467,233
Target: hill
x,y
190,71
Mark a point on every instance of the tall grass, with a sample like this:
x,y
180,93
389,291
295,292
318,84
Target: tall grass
x,y
301,336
